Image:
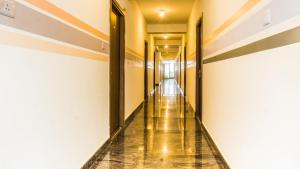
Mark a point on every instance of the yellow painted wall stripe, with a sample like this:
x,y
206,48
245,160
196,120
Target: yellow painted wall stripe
x,y
54,10
25,41
289,37
241,12
134,53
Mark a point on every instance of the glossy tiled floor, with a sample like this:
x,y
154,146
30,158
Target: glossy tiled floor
x,y
163,135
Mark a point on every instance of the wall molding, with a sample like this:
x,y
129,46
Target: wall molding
x,y
60,13
133,58
27,41
36,22
249,5
278,40
98,156
133,114
135,53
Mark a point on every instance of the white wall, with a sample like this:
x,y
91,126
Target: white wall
x,y
250,103
53,107
93,12
251,108
216,12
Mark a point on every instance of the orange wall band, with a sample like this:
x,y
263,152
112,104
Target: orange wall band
x,y
241,12
135,53
24,41
46,6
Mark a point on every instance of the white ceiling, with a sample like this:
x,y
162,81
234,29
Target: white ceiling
x,y
172,40
177,11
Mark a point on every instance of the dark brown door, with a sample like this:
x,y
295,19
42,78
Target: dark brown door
x,y
199,70
116,70
146,72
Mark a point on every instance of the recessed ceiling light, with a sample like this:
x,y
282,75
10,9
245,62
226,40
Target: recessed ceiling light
x,y
162,13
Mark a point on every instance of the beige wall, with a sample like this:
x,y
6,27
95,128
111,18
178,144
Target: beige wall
x,y
54,105
182,61
135,32
251,107
85,11
151,64
135,36
157,67
217,12
177,68
191,49
250,103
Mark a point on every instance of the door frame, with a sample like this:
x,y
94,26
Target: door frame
x,y
154,70
199,67
146,71
185,69
116,7
180,62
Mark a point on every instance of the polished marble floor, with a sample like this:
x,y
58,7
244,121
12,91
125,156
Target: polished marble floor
x,y
163,135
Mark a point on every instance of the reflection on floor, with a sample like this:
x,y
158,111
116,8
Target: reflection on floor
x,y
164,135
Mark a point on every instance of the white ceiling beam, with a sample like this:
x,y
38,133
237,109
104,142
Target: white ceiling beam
x,y
168,42
167,28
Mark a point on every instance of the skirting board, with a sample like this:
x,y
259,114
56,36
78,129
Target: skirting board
x,y
133,114
99,155
213,145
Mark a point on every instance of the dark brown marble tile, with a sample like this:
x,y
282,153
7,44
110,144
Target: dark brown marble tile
x,y
163,135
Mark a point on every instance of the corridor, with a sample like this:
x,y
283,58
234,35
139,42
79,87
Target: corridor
x,y
164,135
149,84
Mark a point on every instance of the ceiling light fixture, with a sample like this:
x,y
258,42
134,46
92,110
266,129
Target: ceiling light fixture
x,y
162,13
166,46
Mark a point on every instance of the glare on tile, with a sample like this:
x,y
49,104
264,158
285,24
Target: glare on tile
x,y
141,148
165,149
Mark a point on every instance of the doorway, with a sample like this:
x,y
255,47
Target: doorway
x,y
146,72
199,37
116,68
169,70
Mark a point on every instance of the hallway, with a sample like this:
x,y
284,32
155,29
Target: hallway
x,y
150,84
164,135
